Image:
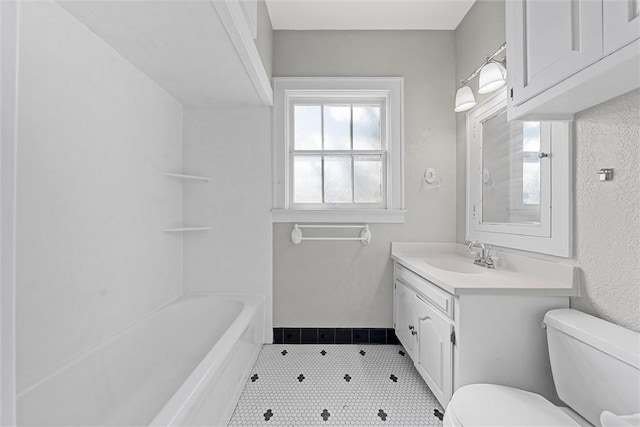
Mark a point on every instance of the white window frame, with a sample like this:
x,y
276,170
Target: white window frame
x,y
388,91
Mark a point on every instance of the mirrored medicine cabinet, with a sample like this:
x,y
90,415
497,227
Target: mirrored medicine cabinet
x,y
518,180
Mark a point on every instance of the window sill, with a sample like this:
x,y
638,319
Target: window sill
x,y
379,216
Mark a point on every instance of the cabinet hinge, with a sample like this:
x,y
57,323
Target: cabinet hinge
x,y
453,337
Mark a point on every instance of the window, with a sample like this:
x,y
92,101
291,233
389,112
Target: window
x,y
337,155
338,150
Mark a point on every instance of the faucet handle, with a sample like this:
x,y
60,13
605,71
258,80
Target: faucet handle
x,y
477,244
495,260
489,262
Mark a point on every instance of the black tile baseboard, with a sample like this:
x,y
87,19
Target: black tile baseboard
x,y
291,335
334,336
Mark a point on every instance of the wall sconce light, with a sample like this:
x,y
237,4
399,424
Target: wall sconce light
x,y
493,75
464,99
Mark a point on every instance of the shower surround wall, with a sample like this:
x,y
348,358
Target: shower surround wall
x,y
346,284
95,136
232,146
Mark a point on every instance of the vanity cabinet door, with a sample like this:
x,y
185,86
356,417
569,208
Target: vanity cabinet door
x,y
621,21
434,353
549,41
403,314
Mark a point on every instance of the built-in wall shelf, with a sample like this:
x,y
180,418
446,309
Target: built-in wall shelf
x,y
187,177
183,229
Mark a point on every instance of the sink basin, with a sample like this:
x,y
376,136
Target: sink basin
x,y
451,268
454,264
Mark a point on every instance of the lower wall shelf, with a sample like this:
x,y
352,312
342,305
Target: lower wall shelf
x,y
181,229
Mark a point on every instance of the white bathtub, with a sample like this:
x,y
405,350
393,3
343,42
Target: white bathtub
x,y
184,364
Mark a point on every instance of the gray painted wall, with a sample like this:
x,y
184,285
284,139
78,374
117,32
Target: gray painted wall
x,y
607,214
606,220
480,33
345,284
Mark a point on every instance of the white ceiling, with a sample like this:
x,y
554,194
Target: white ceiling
x,y
367,14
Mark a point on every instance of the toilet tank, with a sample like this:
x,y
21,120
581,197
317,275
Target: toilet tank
x,y
595,364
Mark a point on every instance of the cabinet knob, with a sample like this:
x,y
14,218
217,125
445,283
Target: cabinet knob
x,y
543,155
411,327
414,332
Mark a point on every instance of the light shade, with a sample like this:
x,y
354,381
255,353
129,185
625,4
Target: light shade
x,y
464,99
492,77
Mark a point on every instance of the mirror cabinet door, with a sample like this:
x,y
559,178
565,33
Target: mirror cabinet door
x,y
513,164
516,172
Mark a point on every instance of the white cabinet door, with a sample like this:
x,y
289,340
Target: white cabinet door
x,y
548,41
403,313
434,353
621,23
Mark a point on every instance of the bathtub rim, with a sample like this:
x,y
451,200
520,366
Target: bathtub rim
x,y
185,397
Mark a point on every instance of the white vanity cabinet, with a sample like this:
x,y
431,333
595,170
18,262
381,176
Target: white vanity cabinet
x,y
424,326
473,337
567,55
434,347
403,316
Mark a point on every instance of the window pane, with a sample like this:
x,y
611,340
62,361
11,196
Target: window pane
x,y
337,127
307,179
531,136
307,127
337,179
531,181
366,127
367,176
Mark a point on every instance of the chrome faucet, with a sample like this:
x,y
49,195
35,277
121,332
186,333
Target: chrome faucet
x,y
483,258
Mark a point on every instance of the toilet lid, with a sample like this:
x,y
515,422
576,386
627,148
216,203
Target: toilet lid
x,y
495,405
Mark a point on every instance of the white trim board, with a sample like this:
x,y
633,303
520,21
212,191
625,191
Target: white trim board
x,y
9,18
235,22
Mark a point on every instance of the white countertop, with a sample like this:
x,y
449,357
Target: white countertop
x,y
514,274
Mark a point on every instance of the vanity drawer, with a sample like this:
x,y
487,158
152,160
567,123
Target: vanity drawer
x,y
426,290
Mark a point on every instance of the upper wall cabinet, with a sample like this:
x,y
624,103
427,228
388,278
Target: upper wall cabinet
x,y
568,55
621,20
555,40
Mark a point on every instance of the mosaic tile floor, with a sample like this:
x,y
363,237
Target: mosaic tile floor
x,y
340,385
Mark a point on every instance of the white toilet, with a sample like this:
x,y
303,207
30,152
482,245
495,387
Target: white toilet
x,y
595,366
